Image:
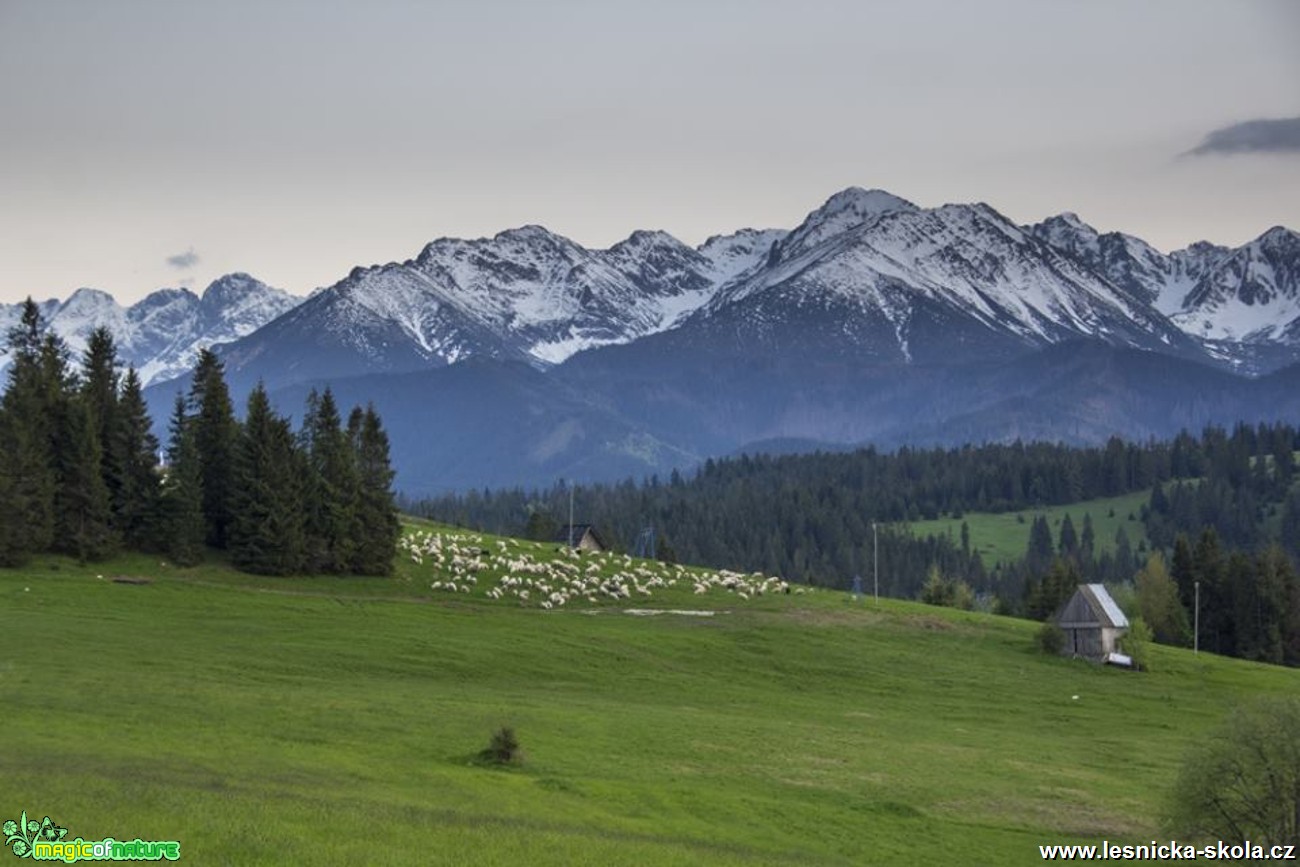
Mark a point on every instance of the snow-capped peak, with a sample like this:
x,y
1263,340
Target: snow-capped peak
x,y
864,202
86,301
232,287
644,239
1279,237
845,211
1067,232
1249,294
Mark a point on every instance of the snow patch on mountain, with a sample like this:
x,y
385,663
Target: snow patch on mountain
x,y
1252,295
161,334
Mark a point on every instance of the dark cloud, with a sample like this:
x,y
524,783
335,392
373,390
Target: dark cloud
x,y
181,261
1253,136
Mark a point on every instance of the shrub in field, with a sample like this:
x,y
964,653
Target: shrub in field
x,y
1243,782
1050,638
503,748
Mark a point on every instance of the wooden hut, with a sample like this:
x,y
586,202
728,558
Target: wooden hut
x,y
583,537
1092,623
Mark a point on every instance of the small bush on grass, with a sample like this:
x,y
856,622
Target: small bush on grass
x,y
503,748
1050,639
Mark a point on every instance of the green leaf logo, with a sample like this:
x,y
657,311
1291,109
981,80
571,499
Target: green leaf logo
x,y
22,835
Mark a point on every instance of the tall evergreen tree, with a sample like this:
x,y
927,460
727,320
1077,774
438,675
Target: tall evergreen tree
x,y
13,547
1216,593
1038,556
135,498
1069,542
266,533
215,435
333,487
182,493
99,390
1289,531
26,460
83,517
1182,569
1087,540
377,527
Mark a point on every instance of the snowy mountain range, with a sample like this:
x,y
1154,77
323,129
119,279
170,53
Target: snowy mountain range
x,y
526,294
524,357
161,335
867,275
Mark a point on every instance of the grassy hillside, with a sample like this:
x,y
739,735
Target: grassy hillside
x,y
323,721
1004,536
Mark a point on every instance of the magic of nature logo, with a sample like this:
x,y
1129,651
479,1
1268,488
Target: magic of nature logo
x,y
45,841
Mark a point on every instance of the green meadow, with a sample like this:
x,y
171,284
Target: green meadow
x,y
1003,537
325,721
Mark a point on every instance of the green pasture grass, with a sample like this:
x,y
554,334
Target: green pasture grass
x,y
336,721
1003,537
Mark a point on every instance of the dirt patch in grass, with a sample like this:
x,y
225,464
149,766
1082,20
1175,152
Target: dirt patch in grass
x,y
830,617
1068,816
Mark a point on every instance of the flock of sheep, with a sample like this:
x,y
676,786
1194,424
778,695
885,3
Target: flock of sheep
x,y
571,575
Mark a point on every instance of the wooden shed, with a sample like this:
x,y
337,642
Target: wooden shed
x,y
1092,623
584,537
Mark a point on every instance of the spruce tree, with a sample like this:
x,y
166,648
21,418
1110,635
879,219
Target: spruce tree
x,y
99,390
215,435
1182,569
332,489
26,461
13,547
1039,554
1087,540
267,533
1289,531
1069,540
83,518
182,493
377,527
135,498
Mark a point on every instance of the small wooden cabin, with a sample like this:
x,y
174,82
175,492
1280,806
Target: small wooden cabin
x,y
584,537
1092,623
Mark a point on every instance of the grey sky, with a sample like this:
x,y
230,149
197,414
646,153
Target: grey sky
x,y
294,140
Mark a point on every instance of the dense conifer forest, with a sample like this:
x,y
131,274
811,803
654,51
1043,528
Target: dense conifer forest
x,y
80,469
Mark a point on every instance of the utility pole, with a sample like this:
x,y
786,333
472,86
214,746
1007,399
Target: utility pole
x,y
570,514
875,557
1196,617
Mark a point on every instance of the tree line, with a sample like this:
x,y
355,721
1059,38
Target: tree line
x,y
810,518
80,470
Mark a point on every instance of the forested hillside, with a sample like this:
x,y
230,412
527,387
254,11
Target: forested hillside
x,y
810,518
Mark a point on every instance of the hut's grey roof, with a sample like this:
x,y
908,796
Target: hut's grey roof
x,y
1091,606
579,530
1116,617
